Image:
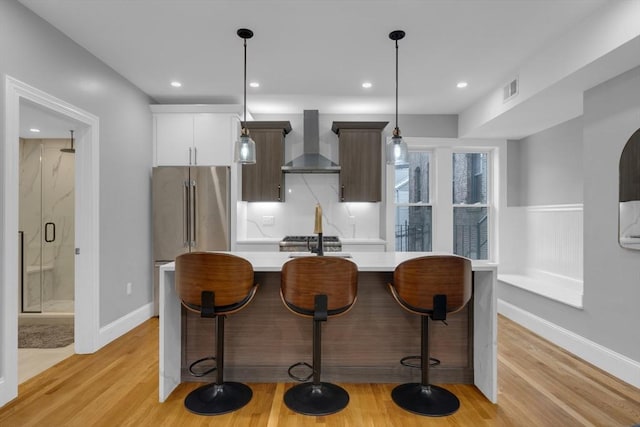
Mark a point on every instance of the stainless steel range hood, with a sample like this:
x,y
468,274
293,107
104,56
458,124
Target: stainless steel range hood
x,y
311,160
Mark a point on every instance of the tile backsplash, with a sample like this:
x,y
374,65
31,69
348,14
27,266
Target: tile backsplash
x,y
296,215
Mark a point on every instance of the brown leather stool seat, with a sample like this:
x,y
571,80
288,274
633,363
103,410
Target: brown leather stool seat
x,y
318,287
431,287
215,285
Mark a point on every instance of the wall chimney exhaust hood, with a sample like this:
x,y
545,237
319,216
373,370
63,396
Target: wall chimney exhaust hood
x,y
311,160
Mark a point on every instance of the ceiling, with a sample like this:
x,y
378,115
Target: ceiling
x,y
41,123
315,54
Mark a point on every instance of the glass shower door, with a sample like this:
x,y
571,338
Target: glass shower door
x,y
58,219
30,219
47,219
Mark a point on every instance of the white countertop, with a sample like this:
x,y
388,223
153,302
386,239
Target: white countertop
x,y
366,261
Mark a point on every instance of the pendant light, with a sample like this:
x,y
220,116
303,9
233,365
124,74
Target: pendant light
x,y
397,151
245,147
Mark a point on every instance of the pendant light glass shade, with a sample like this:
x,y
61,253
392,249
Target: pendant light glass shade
x,y
245,150
397,150
245,147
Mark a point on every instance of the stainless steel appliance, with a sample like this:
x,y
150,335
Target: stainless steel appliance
x,y
190,213
309,244
311,160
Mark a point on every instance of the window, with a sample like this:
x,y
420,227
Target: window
x,y
470,207
443,200
413,216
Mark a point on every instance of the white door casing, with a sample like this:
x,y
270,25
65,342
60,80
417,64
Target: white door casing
x,y
87,279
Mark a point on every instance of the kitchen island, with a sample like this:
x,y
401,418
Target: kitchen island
x,y
364,345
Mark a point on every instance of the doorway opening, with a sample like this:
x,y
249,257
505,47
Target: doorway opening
x,y
86,229
46,223
46,220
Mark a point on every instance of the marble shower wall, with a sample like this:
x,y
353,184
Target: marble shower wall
x,y
296,215
46,194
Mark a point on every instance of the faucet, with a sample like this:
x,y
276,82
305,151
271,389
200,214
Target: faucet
x,y
319,250
318,229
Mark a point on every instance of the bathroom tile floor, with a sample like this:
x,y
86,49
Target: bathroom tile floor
x,y
32,361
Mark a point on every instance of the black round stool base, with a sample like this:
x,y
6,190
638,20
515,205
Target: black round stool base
x,y
215,399
429,400
322,399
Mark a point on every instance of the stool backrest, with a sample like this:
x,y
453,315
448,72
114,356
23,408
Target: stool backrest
x,y
418,280
304,278
230,277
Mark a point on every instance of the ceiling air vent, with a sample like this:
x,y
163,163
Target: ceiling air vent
x,y
510,90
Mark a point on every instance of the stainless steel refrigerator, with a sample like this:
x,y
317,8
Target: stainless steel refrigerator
x,y
190,213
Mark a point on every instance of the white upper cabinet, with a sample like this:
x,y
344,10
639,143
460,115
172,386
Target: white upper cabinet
x,y
200,135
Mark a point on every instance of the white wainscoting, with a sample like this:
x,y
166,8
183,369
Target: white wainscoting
x,y
544,251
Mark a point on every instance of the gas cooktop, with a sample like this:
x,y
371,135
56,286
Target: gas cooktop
x,y
308,243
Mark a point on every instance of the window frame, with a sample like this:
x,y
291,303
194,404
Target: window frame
x,y
427,204
441,194
490,189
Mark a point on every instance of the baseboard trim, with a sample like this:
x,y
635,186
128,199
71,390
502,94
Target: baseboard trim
x,y
616,364
124,324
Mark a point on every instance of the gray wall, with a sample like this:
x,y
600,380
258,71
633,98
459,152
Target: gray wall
x,y
611,274
546,168
35,53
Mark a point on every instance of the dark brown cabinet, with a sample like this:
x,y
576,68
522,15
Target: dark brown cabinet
x,y
264,180
360,148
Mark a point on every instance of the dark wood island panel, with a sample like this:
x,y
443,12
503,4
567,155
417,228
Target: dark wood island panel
x,y
364,345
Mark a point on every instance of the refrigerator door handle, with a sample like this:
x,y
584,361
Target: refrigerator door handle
x,y
187,204
194,214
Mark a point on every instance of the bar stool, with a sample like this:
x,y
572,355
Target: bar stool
x,y
431,287
318,287
215,285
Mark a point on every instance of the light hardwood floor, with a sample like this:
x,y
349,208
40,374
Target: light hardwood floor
x,y
539,385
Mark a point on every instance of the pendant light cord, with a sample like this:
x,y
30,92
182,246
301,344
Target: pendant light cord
x,y
397,87
244,126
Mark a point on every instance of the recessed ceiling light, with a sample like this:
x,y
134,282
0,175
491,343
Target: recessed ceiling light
x,y
254,84
34,130
366,85
176,84
462,85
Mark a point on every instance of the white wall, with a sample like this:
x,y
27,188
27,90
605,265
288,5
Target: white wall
x,y
542,228
37,54
610,317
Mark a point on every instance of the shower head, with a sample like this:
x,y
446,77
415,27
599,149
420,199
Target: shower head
x,y
69,150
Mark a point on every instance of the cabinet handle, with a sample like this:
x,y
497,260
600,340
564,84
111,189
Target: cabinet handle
x,y
190,156
279,193
195,155
342,193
